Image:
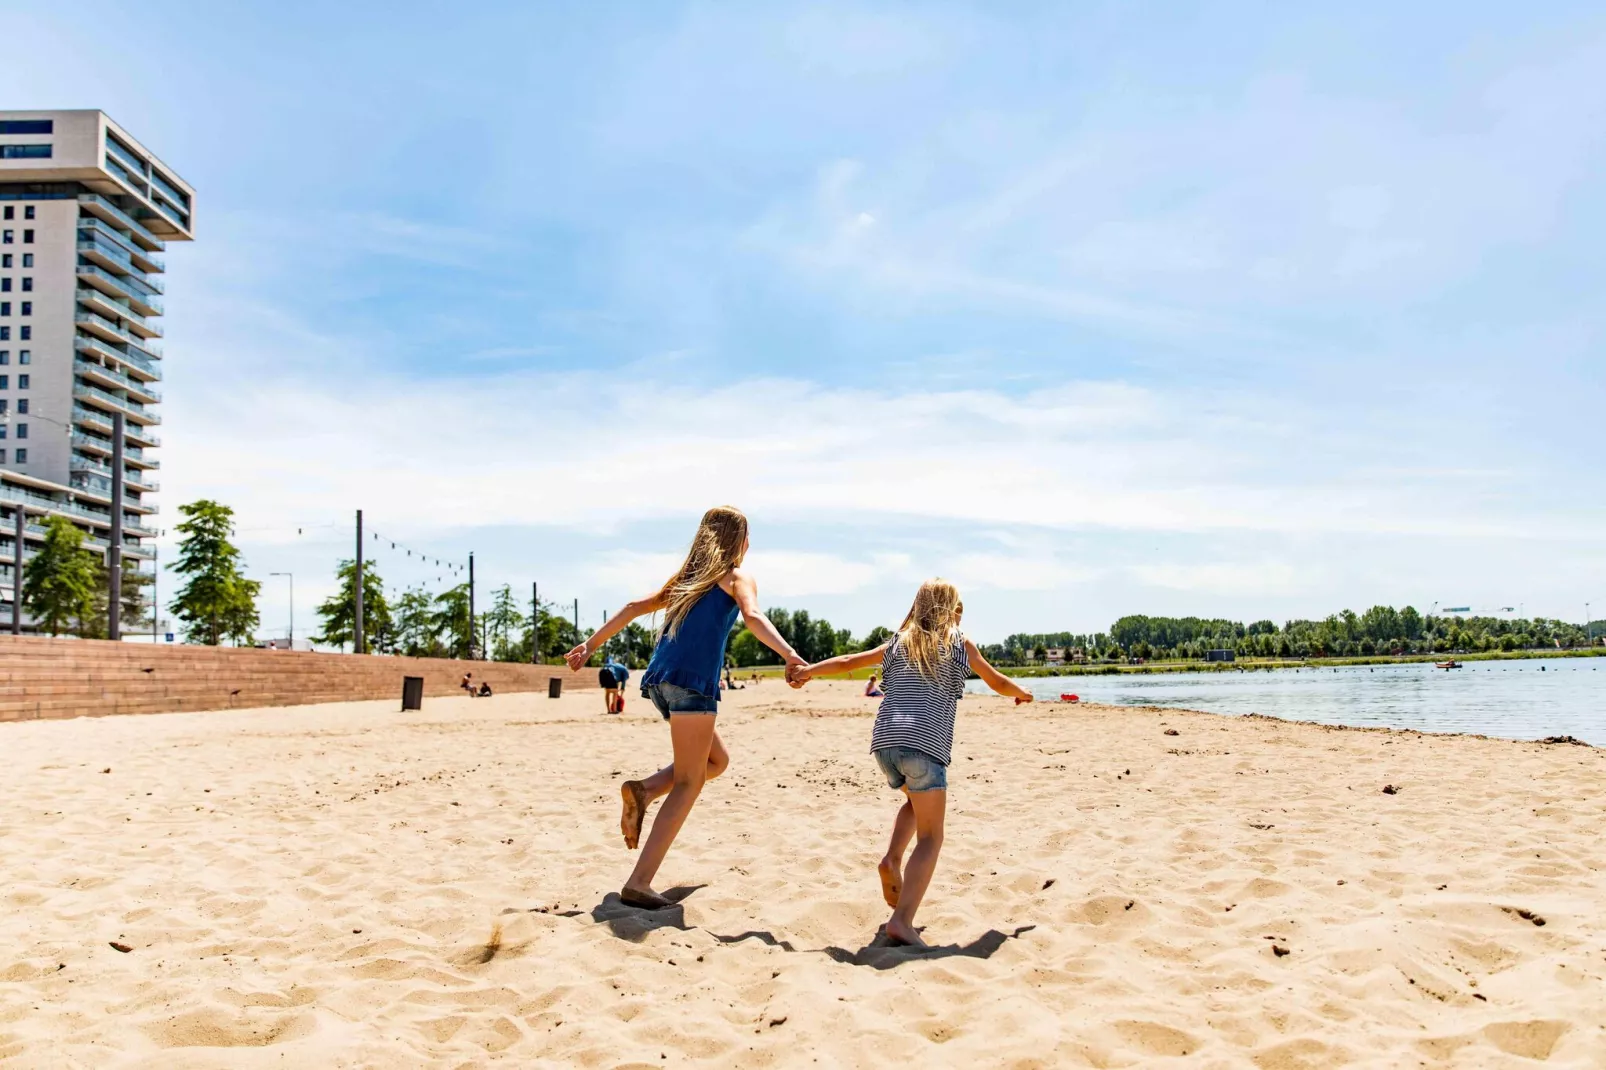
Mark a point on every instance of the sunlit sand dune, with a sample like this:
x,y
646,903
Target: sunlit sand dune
x,y
352,886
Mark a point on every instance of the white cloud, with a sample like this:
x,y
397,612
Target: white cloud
x,y
1253,579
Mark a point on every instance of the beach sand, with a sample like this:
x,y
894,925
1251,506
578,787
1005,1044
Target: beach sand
x,y
347,885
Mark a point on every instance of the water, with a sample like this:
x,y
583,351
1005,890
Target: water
x,y
1519,699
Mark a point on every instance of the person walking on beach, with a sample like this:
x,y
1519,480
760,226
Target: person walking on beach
x,y
613,676
700,603
924,667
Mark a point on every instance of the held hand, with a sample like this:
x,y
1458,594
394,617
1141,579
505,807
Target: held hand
x,y
797,671
578,656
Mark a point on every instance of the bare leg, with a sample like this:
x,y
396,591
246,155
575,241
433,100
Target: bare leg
x,y
637,795
693,737
929,808
891,867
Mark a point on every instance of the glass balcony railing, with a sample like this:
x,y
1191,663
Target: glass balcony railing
x,y
180,199
136,290
127,382
133,180
55,505
102,229
132,408
135,431
178,216
126,158
86,344
84,463
95,202
94,298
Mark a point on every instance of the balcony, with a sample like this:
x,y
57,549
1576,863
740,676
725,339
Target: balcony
x,y
132,409
128,178
179,217
85,344
14,493
124,286
136,433
116,380
125,157
111,256
108,330
105,209
93,465
113,309
143,258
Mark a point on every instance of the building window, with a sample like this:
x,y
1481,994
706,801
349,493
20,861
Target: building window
x,y
22,458
27,213
22,432
5,336
27,126
11,213
2,431
5,288
27,239
3,461
24,356
5,356
5,261
24,333
7,237
22,410
22,384
5,384
27,310
27,288
24,152
5,310
27,260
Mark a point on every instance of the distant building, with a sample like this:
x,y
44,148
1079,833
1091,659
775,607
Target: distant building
x,y
1055,655
85,213
1221,655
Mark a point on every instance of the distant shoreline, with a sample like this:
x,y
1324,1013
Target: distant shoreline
x,y
1266,664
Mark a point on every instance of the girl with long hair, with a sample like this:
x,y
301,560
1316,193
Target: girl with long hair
x,y
700,603
923,671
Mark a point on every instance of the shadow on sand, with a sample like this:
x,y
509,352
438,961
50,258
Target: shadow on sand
x,y
634,923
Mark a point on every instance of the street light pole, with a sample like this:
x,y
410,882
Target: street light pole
x,y
292,577
18,551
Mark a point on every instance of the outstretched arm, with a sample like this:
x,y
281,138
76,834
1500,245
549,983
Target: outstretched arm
x,y
740,586
992,677
639,608
839,664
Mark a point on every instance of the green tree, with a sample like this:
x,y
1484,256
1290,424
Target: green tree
x,y
632,646
216,601
882,634
59,581
339,611
451,622
414,624
504,621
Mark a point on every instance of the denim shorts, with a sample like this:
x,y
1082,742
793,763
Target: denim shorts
x,y
912,770
672,698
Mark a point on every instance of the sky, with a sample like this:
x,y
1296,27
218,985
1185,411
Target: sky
x,y
1214,309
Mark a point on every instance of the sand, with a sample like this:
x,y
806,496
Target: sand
x,y
347,885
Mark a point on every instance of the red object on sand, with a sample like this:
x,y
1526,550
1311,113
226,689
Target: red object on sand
x,y
1068,697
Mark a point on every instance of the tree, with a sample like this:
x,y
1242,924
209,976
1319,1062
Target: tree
x,y
216,601
882,634
415,634
503,620
59,582
339,611
451,623
633,646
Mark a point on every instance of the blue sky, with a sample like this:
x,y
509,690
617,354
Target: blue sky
x,y
1213,309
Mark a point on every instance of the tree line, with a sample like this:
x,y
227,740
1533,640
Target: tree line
x,y
1379,630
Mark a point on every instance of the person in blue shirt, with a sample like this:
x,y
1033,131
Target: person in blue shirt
x,y
700,603
613,676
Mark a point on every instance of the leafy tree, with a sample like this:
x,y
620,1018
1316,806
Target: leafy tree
x,y
503,621
339,611
415,634
632,646
216,601
451,623
881,634
59,581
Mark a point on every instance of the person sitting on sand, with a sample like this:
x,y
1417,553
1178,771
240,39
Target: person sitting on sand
x,y
485,689
700,602
613,676
925,666
468,684
872,689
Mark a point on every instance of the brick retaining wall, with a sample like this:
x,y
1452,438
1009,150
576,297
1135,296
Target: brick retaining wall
x,y
48,678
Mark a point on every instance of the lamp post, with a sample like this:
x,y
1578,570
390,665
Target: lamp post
x,y
292,577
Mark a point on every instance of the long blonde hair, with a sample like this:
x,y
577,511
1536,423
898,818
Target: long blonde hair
x,y
717,548
927,633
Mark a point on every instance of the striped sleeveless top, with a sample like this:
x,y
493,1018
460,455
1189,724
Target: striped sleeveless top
x,y
918,711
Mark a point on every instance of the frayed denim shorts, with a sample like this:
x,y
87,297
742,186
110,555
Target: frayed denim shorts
x,y
912,770
672,698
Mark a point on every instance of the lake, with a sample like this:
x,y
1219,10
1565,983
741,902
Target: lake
x,y
1529,698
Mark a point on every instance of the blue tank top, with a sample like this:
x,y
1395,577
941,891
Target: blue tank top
x,y
693,657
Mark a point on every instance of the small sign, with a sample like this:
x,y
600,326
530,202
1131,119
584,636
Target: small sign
x,y
169,637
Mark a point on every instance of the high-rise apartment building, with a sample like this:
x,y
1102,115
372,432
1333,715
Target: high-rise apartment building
x,y
85,213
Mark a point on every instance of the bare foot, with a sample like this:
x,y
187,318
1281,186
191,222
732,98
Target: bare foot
x,y
645,898
903,933
635,811
891,881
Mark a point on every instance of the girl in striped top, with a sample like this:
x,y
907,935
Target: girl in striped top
x,y
924,668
